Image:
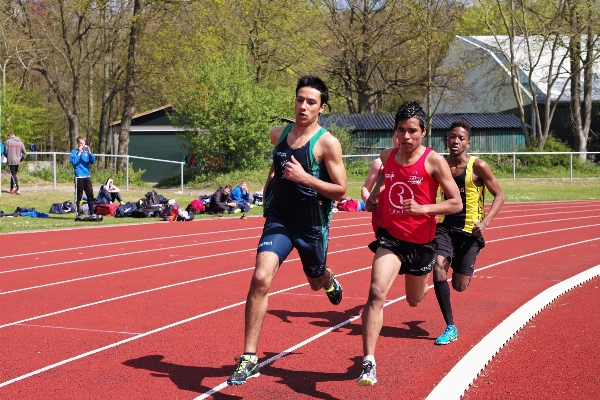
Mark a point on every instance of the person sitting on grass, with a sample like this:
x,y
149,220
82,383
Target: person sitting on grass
x,y
110,192
221,202
241,198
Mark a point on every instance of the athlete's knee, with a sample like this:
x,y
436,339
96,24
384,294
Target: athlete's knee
x,y
414,301
459,286
377,293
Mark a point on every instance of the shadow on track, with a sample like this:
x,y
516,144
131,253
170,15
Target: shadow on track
x,y
185,377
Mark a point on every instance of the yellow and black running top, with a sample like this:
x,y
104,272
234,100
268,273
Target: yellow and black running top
x,y
472,197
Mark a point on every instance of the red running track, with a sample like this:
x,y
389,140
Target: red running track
x,y
155,311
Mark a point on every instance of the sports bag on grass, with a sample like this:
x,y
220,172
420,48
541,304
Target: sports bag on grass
x,y
107,209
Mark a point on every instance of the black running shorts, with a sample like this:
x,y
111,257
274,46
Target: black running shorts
x,y
460,248
416,259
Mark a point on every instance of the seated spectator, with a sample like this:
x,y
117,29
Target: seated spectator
x,y
221,201
241,198
110,192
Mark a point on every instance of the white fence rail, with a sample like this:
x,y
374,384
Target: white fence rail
x,y
513,155
31,156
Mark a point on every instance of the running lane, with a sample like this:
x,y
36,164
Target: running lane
x,y
188,359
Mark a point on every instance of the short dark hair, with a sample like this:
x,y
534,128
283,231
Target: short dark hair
x,y
461,124
227,187
411,110
315,83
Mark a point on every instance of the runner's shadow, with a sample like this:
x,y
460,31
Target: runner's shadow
x,y
325,318
185,377
305,381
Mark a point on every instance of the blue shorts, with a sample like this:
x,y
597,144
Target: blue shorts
x,y
281,239
416,259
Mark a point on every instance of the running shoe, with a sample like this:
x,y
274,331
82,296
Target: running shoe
x,y
247,368
14,191
449,335
334,293
243,216
367,376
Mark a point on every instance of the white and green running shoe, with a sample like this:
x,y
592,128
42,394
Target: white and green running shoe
x,y
247,368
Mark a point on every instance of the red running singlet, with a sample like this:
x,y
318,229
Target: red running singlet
x,y
408,182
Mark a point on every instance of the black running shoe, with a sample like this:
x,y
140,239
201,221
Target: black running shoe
x,y
334,293
245,369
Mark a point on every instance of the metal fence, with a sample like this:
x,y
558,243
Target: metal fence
x,y
513,156
35,157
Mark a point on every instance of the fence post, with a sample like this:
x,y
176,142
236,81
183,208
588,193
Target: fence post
x,y
182,177
571,166
127,173
514,166
54,169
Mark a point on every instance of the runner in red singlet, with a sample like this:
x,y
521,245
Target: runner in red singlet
x,y
406,237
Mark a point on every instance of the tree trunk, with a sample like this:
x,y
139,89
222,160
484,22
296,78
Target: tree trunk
x,y
129,100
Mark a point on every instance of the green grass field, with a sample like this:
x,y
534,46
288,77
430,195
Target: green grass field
x,y
525,190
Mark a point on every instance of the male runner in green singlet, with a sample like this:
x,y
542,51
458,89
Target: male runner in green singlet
x,y
307,174
459,236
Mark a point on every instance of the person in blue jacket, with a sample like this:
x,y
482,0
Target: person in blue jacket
x,y
241,198
81,159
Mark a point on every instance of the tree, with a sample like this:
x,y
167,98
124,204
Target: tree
x,y
532,41
365,52
53,34
225,114
583,16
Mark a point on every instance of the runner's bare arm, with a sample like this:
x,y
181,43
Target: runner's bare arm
x,y
439,169
372,202
483,171
371,179
329,150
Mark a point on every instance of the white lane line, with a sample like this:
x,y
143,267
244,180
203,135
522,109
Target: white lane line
x,y
462,375
124,270
507,209
187,235
542,233
154,290
78,329
313,338
91,246
188,258
112,345
162,328
140,251
543,222
586,212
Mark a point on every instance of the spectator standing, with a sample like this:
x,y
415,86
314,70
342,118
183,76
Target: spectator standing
x,y
81,159
221,201
241,198
33,148
15,153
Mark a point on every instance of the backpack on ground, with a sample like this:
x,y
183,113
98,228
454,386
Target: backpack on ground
x,y
195,207
348,205
125,210
152,197
107,209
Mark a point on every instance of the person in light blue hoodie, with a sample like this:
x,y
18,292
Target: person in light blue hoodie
x,y
81,159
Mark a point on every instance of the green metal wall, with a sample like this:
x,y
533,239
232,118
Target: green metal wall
x,y
159,145
482,140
